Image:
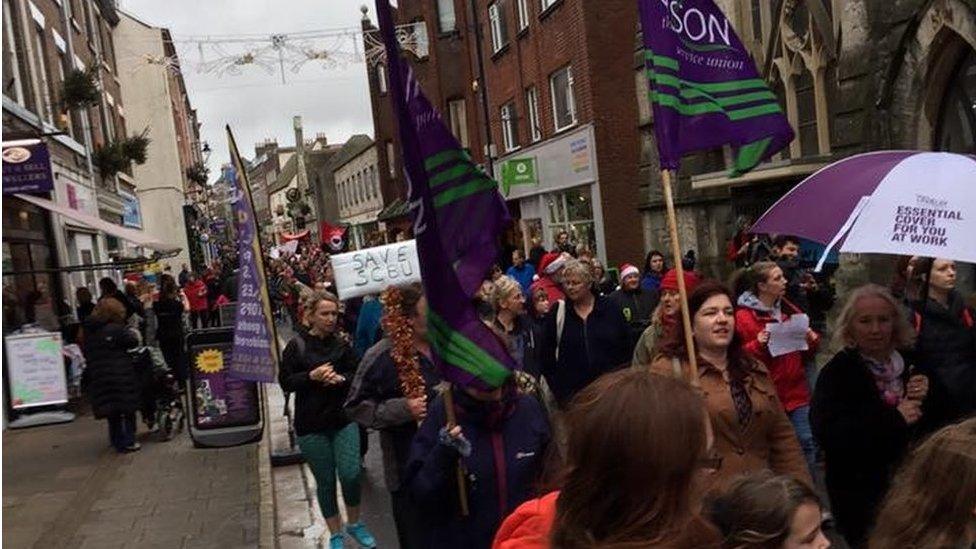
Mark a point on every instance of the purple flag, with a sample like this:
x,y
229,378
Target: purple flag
x,y
255,349
704,87
458,216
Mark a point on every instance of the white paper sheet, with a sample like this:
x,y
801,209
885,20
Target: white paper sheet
x,y
789,336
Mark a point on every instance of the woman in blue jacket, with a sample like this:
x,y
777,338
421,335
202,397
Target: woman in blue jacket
x,y
500,439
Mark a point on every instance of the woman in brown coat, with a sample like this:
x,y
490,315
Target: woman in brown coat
x,y
751,429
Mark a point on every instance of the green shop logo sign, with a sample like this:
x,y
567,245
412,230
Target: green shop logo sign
x,y
518,171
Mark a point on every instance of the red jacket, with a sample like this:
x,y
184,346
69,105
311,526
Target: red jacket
x,y
196,294
788,373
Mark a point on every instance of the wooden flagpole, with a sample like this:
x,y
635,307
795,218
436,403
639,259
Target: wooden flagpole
x,y
451,422
676,255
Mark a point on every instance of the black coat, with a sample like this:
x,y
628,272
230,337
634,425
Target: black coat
x,y
110,379
318,407
863,439
637,307
587,350
169,320
947,352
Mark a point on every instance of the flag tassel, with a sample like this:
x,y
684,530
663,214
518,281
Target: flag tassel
x,y
682,291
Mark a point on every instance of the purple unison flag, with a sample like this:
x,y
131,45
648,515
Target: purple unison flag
x,y
457,218
704,87
255,350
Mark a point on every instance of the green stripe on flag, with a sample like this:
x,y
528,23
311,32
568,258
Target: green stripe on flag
x,y
661,60
451,174
443,157
457,193
694,109
463,353
711,87
749,155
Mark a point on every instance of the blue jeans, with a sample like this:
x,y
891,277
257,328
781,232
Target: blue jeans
x,y
800,418
122,430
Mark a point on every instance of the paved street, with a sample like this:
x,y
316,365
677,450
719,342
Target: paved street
x,y
64,487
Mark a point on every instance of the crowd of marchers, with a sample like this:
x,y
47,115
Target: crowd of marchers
x,y
607,435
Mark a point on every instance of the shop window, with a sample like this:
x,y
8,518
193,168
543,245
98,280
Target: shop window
x,y
563,100
572,211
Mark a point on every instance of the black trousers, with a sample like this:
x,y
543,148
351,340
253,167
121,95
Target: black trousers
x,y
406,516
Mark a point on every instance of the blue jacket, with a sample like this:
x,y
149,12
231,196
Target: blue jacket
x,y
368,325
523,276
508,444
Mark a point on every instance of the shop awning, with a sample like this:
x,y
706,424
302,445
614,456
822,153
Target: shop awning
x,y
137,237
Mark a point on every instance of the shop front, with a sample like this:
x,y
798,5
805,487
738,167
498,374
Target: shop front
x,y
553,187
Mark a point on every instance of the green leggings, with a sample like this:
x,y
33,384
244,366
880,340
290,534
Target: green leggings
x,y
329,453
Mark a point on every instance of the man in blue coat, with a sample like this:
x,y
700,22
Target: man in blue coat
x,y
522,272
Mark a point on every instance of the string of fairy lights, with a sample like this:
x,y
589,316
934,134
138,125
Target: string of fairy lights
x,y
285,54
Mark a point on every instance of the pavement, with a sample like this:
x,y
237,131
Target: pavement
x,y
63,486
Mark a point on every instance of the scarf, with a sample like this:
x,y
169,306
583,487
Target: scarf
x,y
887,377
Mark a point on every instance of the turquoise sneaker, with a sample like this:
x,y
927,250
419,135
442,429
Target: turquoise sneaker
x,y
362,536
335,541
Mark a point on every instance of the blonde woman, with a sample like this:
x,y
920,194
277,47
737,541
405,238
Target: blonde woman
x,y
867,407
512,321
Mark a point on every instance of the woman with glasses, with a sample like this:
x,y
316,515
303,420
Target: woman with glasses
x,y
751,429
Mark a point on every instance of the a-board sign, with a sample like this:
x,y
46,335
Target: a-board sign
x,y
36,370
370,270
220,400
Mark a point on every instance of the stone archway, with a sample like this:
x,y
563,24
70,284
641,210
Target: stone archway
x,y
945,34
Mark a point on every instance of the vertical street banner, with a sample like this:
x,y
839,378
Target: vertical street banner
x,y
255,353
458,216
704,87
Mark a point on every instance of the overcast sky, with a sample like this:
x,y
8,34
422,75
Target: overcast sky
x,y
256,104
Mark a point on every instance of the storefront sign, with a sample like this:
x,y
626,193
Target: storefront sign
x,y
560,163
518,171
26,167
36,369
219,399
131,212
371,270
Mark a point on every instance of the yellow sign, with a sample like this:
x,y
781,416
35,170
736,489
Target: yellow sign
x,y
210,361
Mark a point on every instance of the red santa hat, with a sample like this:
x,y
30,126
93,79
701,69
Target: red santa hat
x,y
627,269
552,262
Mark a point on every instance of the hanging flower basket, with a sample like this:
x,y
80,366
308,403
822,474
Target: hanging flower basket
x,y
198,173
136,147
80,89
110,159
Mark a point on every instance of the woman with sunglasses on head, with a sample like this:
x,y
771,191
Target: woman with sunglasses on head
x,y
751,430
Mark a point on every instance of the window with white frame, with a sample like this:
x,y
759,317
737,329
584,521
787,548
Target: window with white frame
x,y
522,11
458,119
381,81
46,109
532,105
509,127
563,99
446,20
16,81
546,4
499,30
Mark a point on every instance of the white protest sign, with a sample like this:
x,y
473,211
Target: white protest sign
x,y
371,270
36,369
924,206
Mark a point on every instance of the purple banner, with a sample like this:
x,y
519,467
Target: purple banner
x,y
458,217
220,400
704,87
26,167
255,350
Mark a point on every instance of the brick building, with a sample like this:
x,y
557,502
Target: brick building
x,y
552,72
43,42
